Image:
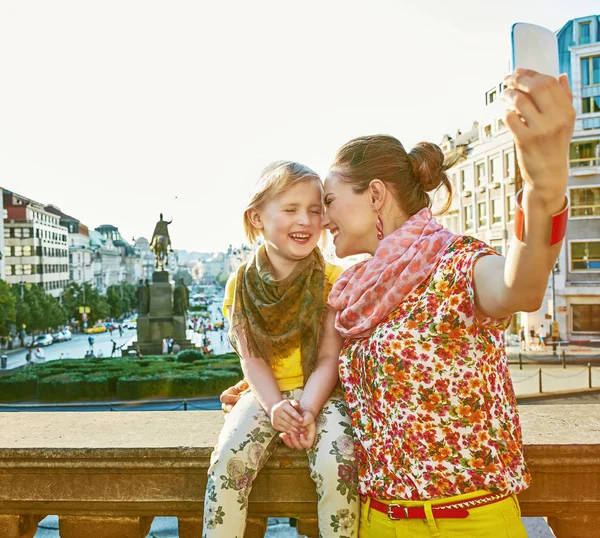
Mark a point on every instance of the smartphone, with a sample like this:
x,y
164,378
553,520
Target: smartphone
x,y
535,48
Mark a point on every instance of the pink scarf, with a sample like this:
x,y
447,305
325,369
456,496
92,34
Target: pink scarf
x,y
366,293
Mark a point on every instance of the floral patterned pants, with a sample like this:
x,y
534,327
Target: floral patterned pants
x,y
246,442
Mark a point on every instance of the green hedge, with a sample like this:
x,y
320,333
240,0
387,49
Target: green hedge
x,y
124,378
23,388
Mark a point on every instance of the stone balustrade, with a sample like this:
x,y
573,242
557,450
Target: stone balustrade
x,y
107,475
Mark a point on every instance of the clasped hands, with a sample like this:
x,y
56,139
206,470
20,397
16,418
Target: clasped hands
x,y
297,427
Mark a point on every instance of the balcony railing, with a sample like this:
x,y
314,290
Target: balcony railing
x,y
585,163
110,474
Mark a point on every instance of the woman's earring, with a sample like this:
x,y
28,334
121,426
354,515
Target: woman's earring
x,y
379,227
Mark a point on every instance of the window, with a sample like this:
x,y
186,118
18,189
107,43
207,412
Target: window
x,y
27,232
9,270
18,232
585,256
18,269
496,211
590,105
491,97
586,318
584,154
487,131
480,174
590,70
510,203
482,214
495,170
466,179
509,164
497,246
468,217
18,250
585,202
7,232
7,251
27,250
584,33
27,269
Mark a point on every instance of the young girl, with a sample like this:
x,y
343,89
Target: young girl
x,y
284,333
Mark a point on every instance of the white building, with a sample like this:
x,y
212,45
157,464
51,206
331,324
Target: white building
x,y
35,245
486,179
80,251
106,262
4,213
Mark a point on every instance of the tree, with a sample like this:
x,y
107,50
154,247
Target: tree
x,y
8,312
121,299
38,311
76,295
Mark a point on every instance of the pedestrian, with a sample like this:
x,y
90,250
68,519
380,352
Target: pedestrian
x,y
288,349
120,330
91,342
165,347
522,341
176,348
114,348
542,334
28,356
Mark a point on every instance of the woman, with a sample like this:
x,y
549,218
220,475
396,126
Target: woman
x,y
434,415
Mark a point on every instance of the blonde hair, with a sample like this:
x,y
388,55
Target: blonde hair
x,y
410,176
276,178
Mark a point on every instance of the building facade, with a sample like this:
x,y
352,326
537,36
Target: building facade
x,y
35,245
106,262
485,181
80,251
4,216
132,265
579,304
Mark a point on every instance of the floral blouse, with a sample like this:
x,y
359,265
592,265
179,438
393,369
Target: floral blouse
x,y
430,395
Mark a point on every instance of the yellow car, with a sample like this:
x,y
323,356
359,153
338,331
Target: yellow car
x,y
95,329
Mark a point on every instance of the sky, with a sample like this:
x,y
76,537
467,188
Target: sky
x,y
116,111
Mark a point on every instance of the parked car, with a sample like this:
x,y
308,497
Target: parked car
x,y
66,334
95,329
130,325
43,340
58,336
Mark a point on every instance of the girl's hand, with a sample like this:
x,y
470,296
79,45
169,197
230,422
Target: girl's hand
x,y
285,418
306,438
541,118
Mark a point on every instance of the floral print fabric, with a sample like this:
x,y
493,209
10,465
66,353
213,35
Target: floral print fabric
x,y
247,440
430,395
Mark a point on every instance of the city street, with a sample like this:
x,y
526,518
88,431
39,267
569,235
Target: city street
x,y
74,348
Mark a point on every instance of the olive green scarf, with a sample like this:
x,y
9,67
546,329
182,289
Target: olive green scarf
x,y
275,316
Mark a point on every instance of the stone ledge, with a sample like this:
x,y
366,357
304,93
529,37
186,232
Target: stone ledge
x,y
128,467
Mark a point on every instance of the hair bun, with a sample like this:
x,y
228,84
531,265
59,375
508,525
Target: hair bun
x,y
427,161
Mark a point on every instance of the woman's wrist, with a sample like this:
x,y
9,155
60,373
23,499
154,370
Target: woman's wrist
x,y
549,200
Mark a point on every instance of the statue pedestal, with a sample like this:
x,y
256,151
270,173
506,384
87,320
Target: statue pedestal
x,y
160,322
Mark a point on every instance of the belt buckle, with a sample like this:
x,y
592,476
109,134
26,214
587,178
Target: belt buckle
x,y
391,515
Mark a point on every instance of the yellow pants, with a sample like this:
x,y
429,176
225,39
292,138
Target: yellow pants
x,y
501,519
